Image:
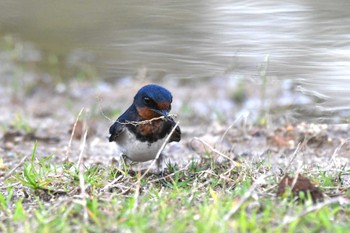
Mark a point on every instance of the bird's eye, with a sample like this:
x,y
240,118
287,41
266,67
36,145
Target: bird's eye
x,y
146,100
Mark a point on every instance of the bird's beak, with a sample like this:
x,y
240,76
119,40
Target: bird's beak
x,y
164,113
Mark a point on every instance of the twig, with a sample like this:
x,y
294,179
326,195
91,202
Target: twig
x,y
218,152
100,108
337,149
169,175
17,166
159,151
111,183
136,196
135,123
81,177
137,183
295,153
72,134
82,147
288,220
10,186
244,116
245,197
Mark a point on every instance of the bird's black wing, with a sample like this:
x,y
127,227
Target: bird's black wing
x,y
119,126
115,130
176,136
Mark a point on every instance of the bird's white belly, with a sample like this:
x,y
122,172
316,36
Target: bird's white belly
x,y
138,151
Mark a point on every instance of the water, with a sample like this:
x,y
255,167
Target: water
x,y
306,41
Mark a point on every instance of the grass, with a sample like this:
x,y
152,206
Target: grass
x,y
19,123
263,112
206,197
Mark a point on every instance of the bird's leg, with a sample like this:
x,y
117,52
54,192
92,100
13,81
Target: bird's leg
x,y
159,162
123,163
160,170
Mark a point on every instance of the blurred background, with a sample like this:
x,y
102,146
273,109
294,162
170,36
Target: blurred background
x,y
240,58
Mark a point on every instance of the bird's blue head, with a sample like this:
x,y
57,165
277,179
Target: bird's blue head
x,y
153,101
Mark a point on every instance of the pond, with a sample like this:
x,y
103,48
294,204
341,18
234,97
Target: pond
x,y
301,43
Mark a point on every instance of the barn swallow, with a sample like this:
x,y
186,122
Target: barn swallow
x,y
143,128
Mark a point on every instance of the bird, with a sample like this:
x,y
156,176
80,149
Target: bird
x,y
143,128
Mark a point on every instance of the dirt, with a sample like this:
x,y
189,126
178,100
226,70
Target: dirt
x,y
206,112
298,185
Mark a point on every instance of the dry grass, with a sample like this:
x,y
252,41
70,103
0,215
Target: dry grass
x,y
235,194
